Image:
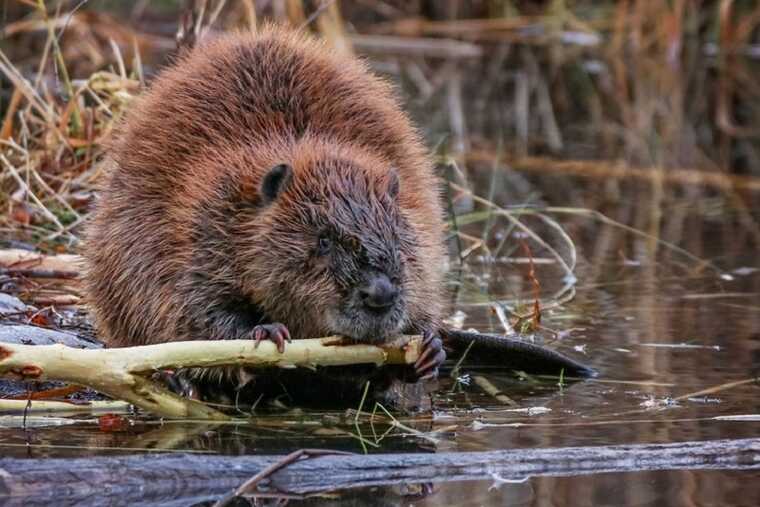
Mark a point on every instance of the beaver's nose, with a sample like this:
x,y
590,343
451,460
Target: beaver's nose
x,y
379,294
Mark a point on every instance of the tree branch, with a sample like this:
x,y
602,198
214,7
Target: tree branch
x,y
124,373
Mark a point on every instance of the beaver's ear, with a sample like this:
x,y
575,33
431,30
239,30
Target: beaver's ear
x,y
393,183
275,181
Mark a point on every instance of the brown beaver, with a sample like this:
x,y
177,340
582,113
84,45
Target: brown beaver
x,y
266,188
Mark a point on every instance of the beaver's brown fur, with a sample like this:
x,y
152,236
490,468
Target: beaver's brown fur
x,y
261,179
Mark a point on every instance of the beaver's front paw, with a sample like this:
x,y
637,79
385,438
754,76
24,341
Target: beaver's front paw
x,y
431,357
276,333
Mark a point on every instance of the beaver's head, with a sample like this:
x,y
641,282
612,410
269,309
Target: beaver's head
x,y
328,249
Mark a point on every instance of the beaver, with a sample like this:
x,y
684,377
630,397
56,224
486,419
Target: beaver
x,y
265,187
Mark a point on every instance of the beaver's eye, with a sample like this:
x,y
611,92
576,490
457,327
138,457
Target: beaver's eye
x,y
323,245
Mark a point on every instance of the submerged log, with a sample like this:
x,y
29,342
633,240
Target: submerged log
x,y
177,478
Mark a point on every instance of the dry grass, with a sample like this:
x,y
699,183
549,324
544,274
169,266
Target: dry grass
x,y
52,137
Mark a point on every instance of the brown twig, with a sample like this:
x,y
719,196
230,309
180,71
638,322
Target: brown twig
x,y
48,394
536,313
250,485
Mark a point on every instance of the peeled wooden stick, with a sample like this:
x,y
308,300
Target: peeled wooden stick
x,y
124,373
52,406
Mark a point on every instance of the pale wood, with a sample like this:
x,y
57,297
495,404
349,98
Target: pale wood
x,y
34,260
57,407
124,373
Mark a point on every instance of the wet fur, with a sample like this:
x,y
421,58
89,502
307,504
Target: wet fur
x,y
183,245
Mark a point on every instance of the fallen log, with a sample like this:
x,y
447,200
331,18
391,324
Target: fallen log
x,y
176,479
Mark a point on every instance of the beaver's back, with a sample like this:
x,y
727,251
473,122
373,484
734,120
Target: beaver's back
x,y
255,90
258,88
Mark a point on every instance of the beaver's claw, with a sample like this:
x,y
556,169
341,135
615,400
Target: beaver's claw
x,y
431,356
276,333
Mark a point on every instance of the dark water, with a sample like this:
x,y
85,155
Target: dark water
x,y
676,344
